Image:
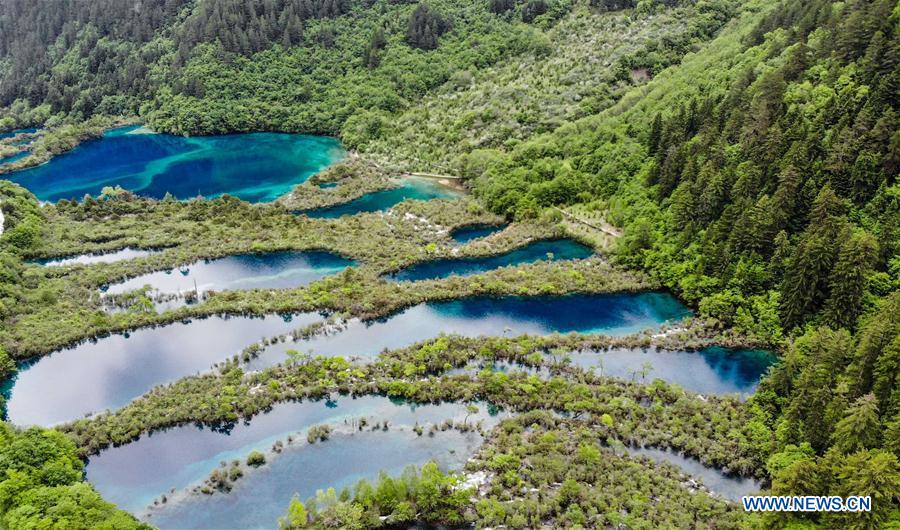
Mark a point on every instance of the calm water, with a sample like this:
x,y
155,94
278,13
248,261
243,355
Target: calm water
x,y
133,475
411,189
554,250
468,233
256,167
727,486
713,370
10,134
611,313
12,158
112,371
107,257
272,270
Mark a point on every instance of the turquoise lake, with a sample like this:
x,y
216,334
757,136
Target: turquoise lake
x,y
552,250
411,188
468,233
134,474
10,134
113,370
257,167
271,270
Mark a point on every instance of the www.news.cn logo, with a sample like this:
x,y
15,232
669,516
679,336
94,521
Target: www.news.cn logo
x,y
807,503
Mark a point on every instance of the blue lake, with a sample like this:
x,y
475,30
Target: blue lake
x,y
10,134
411,189
552,250
468,233
271,270
12,158
100,257
256,167
113,370
615,314
135,474
713,370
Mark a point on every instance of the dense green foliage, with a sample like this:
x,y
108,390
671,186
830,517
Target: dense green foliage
x,y
41,485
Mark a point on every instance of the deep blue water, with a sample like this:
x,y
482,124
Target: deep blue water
x,y
256,167
10,134
553,250
727,486
713,370
271,270
133,475
411,189
113,370
468,233
104,257
615,314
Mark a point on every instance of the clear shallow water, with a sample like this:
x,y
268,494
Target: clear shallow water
x,y
112,371
727,486
468,233
256,167
272,270
553,250
89,259
133,475
713,370
411,189
611,313
12,158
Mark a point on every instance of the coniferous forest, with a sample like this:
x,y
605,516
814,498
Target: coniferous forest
x,y
737,157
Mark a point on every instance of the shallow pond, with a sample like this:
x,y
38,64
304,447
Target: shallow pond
x,y
713,370
410,189
256,167
113,370
133,475
727,486
271,270
468,233
607,313
551,250
97,257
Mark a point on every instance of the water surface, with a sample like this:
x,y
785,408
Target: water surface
x,y
256,167
111,371
552,250
615,314
10,134
411,189
271,270
713,370
727,486
97,257
12,158
468,233
134,474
